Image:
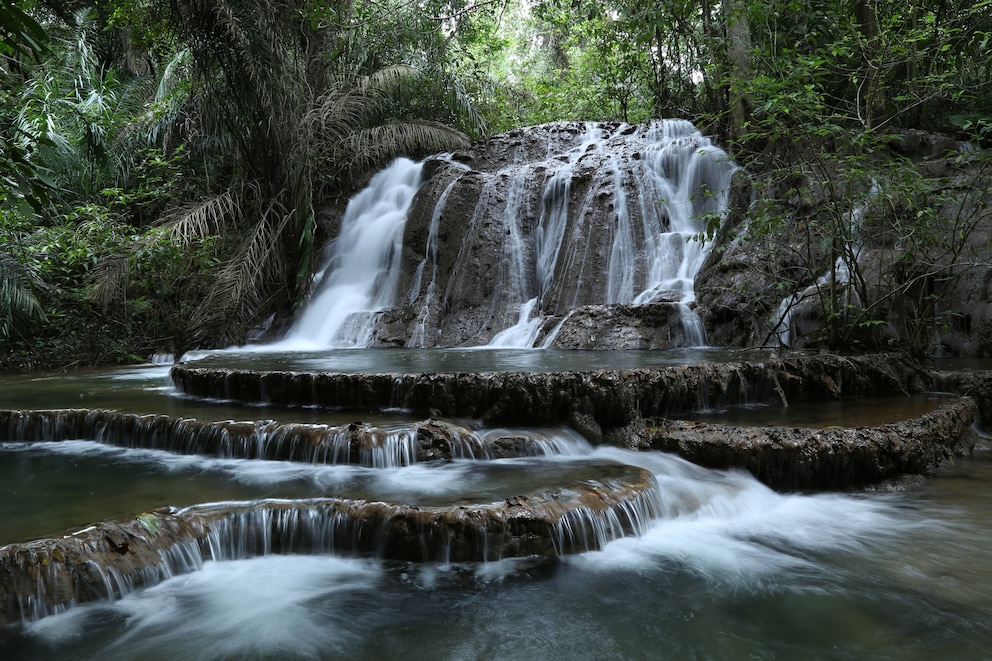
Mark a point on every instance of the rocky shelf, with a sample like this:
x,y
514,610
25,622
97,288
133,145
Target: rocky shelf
x,y
354,443
572,506
805,458
635,408
597,403
587,504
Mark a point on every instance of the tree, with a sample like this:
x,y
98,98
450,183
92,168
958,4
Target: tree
x,y
21,37
20,181
295,101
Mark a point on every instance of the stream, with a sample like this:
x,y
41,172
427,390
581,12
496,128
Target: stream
x,y
730,570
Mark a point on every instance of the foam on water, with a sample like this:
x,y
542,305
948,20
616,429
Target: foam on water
x,y
728,527
292,606
729,565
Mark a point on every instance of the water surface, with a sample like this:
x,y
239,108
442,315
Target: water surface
x,y
748,574
731,570
454,360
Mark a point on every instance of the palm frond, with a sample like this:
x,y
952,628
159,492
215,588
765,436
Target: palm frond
x,y
111,277
184,226
212,215
336,115
243,285
373,147
18,303
389,79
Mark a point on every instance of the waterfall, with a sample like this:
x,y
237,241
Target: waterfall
x,y
805,306
519,238
430,255
359,274
522,334
554,220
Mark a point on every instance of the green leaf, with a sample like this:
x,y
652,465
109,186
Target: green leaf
x,y
149,522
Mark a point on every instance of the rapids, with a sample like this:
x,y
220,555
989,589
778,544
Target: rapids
x,y
730,569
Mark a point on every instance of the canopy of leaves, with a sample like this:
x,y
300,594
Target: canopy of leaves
x,y
206,135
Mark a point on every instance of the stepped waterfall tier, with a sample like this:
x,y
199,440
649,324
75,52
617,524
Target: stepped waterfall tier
x,y
538,238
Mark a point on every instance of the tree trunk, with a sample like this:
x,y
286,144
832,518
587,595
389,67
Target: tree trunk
x,y
738,33
871,91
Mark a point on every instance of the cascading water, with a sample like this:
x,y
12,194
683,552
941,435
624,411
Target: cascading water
x,y
681,182
708,545
283,559
359,276
804,306
600,215
430,255
693,178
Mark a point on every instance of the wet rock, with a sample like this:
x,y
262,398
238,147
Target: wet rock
x,y
976,384
776,252
541,215
610,398
622,327
799,458
586,425
104,561
580,507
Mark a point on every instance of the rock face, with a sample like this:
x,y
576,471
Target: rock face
x,y
557,235
767,278
646,326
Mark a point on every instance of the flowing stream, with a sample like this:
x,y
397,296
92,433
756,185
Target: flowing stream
x,y
725,568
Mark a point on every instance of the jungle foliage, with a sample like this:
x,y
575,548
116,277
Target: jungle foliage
x,y
164,163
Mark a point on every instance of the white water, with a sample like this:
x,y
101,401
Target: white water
x,y
361,268
522,334
727,560
418,338
557,199
682,179
796,307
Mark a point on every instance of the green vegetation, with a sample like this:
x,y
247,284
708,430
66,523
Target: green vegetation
x,y
162,164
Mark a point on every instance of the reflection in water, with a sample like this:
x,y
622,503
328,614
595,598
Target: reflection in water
x,y
148,389
480,359
838,413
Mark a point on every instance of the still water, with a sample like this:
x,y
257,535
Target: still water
x,y
454,360
737,571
